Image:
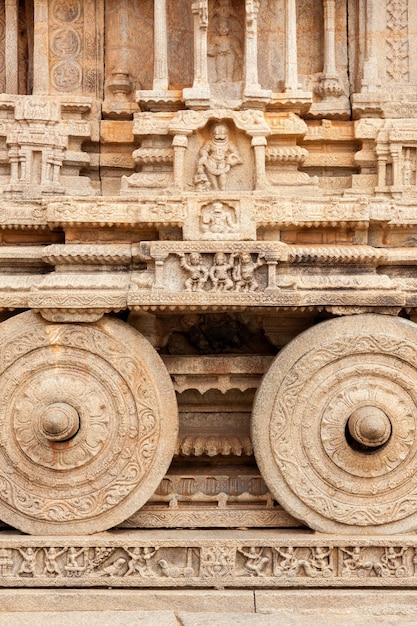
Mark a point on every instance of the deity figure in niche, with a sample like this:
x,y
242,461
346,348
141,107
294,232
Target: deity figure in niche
x,y
225,43
227,52
216,157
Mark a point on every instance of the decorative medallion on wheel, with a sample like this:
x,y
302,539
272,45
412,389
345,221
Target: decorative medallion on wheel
x,y
335,425
88,424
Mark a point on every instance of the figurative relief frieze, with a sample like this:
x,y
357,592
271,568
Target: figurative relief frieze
x,y
233,272
124,563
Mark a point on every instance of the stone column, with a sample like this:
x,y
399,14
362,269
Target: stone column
x,y
254,95
382,153
41,48
200,91
291,65
160,46
329,85
370,70
179,143
251,46
11,46
258,145
329,37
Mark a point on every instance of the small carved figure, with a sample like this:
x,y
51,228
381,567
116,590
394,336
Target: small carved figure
x,y
355,562
29,561
220,272
72,566
51,566
244,272
216,561
287,563
114,569
255,561
140,561
218,219
227,52
173,571
216,157
392,563
197,270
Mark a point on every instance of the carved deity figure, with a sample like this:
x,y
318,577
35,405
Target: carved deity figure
x,y
29,561
139,562
51,566
227,52
72,566
220,272
287,564
355,562
244,272
217,156
256,562
218,219
198,272
392,563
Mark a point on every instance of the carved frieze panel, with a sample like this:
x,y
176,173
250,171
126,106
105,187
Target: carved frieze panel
x,y
231,559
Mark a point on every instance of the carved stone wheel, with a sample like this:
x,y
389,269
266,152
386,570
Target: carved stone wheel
x,y
88,424
335,426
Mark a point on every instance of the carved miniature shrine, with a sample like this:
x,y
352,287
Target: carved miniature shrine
x,y
208,293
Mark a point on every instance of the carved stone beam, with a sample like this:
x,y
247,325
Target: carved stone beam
x,y
41,48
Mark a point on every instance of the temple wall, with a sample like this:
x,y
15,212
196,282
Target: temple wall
x,y
208,226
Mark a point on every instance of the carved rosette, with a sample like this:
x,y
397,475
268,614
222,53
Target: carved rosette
x,y
334,426
88,424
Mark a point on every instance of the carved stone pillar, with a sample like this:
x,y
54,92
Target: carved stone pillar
x,y
40,48
329,85
160,80
252,89
179,143
370,78
258,145
200,91
291,65
11,47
